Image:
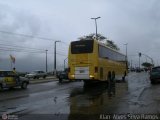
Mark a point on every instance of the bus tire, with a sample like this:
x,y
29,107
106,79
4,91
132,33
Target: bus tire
x,y
1,88
123,78
113,75
109,77
109,83
125,73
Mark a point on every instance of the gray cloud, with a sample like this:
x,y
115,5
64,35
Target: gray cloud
x,y
134,22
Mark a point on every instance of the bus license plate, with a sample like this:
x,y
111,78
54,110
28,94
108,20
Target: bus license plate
x,y
81,71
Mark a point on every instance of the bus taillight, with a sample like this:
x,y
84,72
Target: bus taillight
x,y
96,69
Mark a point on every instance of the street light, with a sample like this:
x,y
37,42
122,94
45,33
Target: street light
x,y
126,56
64,62
55,56
149,58
96,24
46,62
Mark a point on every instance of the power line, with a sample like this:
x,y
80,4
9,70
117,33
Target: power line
x,y
20,47
9,50
58,54
61,54
12,47
65,43
24,35
31,36
25,51
15,46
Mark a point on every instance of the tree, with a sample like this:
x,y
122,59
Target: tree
x,y
147,65
102,39
112,45
93,36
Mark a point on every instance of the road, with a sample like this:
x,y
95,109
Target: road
x,y
73,100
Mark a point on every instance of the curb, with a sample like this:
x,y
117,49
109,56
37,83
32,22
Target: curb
x,y
43,80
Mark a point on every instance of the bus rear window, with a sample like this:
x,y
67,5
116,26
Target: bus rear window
x,y
78,47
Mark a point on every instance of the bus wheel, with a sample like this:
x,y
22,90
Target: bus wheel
x,y
123,78
109,76
109,84
113,75
1,88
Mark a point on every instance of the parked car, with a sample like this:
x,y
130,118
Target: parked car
x,y
155,74
138,70
36,74
10,79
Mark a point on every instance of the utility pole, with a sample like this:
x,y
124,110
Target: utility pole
x,y
55,57
126,56
131,63
46,62
96,24
139,58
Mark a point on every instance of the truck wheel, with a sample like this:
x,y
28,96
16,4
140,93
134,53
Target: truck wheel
x,y
44,77
152,82
60,80
24,85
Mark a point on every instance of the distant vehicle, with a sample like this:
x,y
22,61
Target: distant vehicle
x,y
63,75
9,79
22,74
155,74
90,60
132,70
36,74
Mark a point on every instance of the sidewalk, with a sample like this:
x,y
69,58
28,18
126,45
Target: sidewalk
x,y
41,80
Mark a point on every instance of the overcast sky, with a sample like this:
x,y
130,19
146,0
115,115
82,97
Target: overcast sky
x,y
135,22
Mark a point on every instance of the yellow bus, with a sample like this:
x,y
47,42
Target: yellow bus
x,y
91,60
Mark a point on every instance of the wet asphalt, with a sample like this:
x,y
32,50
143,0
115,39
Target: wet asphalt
x,y
74,100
